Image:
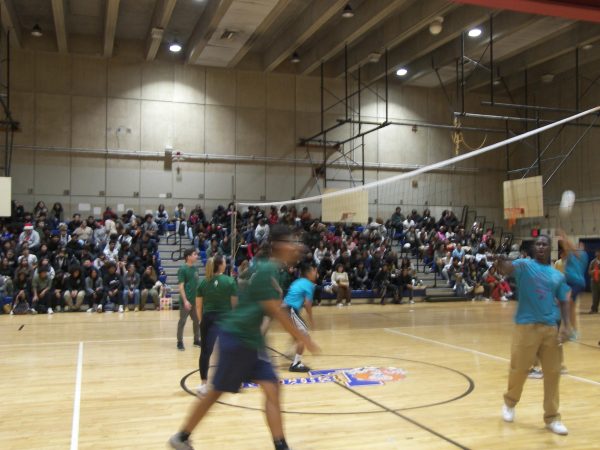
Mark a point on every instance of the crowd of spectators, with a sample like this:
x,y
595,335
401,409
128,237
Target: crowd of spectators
x,y
110,263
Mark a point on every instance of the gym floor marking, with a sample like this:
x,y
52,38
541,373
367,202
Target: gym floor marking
x,y
77,400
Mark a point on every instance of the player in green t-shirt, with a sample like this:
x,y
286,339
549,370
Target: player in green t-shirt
x,y
187,277
216,295
242,355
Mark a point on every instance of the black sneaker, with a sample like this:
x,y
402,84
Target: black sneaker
x,y
196,343
180,346
299,368
178,443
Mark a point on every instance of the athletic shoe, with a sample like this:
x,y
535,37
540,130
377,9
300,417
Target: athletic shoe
x,y
12,312
50,311
58,309
535,373
180,346
120,308
202,390
557,427
67,309
99,308
339,305
411,301
90,310
196,343
574,335
564,371
508,414
349,304
299,367
32,311
503,299
136,309
178,443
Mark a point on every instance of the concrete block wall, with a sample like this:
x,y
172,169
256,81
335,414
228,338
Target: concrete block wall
x,y
70,105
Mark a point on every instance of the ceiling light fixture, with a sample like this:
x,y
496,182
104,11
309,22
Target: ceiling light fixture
x,y
547,78
474,32
295,58
228,35
175,47
436,27
401,72
36,31
587,47
347,13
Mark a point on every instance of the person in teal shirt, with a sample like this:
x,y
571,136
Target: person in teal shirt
x,y
242,352
543,302
575,268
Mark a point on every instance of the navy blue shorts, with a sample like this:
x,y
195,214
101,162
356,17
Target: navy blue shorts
x,y
575,291
239,364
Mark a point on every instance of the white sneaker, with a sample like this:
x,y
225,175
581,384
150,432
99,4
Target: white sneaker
x,y
536,373
99,308
120,308
508,414
90,310
202,390
503,299
557,427
339,305
50,311
32,311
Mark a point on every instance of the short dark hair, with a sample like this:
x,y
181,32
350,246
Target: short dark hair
x,y
305,268
279,233
188,252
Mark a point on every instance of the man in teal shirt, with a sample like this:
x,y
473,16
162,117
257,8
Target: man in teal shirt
x,y
536,332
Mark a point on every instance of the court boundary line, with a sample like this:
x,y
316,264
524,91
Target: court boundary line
x,y
477,352
385,408
77,399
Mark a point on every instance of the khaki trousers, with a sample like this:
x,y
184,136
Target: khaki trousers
x,y
529,341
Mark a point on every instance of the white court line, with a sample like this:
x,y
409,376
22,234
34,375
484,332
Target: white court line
x,y
77,400
477,352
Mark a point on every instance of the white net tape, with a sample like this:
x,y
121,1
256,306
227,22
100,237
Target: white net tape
x,y
429,168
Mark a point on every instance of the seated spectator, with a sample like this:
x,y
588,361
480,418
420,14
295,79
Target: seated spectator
x,y
61,260
459,253
162,218
74,223
26,255
22,294
150,227
180,218
131,288
55,215
382,283
498,287
360,277
83,233
396,222
261,233
112,288
74,289
341,286
150,287
404,281
43,299
39,209
94,291
29,237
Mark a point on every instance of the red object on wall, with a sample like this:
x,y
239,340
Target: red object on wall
x,y
585,10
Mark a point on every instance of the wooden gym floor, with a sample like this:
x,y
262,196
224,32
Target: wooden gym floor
x,y
112,381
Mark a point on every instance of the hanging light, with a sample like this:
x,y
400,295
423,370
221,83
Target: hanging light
x,y
474,32
175,47
347,13
295,58
436,26
36,31
401,72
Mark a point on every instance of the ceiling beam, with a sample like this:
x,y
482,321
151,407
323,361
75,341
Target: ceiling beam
x,y
568,9
366,17
391,33
260,30
424,42
58,11
160,20
505,23
579,34
110,26
205,28
10,21
316,14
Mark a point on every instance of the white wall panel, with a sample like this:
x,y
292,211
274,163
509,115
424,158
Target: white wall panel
x,y
124,78
190,83
53,120
88,175
157,125
220,130
122,177
89,122
123,129
188,127
89,76
220,87
52,173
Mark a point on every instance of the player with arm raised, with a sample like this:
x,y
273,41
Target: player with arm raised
x,y
243,355
537,331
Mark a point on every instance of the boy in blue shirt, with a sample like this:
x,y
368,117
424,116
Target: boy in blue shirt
x,y
300,295
536,332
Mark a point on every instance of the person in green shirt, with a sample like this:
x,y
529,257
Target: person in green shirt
x,y
216,295
242,352
187,276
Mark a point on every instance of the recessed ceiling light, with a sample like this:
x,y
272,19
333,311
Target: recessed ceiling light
x,y
547,78
36,31
295,58
587,47
401,72
348,13
175,47
474,32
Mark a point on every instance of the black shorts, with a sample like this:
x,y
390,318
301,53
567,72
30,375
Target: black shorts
x,y
239,364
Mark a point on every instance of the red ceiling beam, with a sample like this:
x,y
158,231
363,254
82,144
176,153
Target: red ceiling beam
x,y
585,10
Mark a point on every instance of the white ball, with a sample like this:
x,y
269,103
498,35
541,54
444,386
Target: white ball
x,y
566,203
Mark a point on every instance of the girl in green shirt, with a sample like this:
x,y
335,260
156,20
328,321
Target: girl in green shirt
x,y
216,295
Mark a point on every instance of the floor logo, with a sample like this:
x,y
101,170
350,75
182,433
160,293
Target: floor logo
x,y
362,376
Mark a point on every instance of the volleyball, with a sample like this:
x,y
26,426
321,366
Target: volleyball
x,y
566,203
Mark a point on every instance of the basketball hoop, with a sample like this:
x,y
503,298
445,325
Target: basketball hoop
x,y
512,214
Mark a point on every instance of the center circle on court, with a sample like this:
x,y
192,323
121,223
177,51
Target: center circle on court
x,y
426,384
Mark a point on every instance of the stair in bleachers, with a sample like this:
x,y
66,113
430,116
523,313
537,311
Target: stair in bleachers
x,y
442,294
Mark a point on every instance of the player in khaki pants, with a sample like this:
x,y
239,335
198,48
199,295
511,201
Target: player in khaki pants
x,y
536,332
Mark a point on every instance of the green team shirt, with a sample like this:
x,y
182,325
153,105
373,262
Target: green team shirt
x,y
189,277
216,294
245,320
